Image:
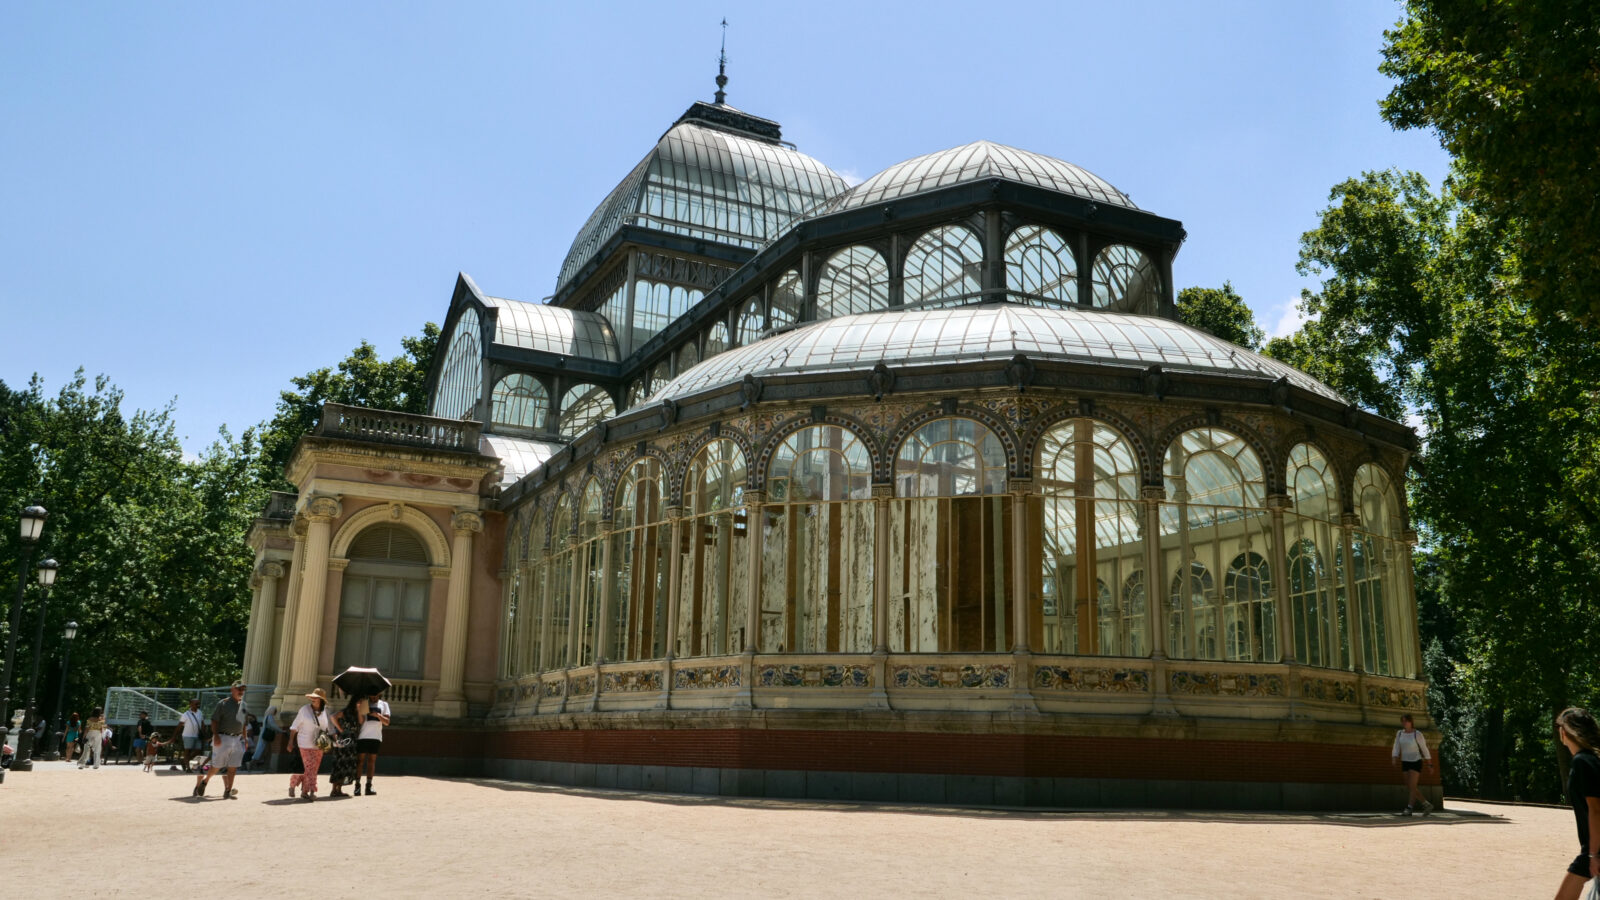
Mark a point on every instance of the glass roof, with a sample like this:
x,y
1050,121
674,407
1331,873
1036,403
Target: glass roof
x,y
992,331
977,161
552,329
706,183
519,455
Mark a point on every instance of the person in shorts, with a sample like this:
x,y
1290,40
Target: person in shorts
x,y
1410,753
1578,732
191,722
227,742
141,735
369,740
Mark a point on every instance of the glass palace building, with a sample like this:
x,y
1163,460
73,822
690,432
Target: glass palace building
x,y
911,490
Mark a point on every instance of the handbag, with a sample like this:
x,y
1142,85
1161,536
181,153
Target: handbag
x,y
323,742
1593,891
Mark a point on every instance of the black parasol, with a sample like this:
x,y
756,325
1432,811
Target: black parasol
x,y
358,681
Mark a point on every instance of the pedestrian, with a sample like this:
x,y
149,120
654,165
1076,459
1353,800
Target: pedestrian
x,y
370,740
141,735
1578,731
93,736
227,741
348,724
309,724
192,720
252,737
1410,753
270,727
74,734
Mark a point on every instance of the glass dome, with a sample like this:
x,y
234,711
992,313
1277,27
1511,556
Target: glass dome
x,y
977,161
552,329
704,182
992,331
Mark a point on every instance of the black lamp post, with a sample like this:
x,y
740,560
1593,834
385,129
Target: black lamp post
x,y
61,691
24,759
32,525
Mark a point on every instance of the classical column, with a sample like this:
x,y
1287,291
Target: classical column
x,y
1408,542
674,573
291,609
1276,504
602,618
1022,660
1155,599
1352,601
451,702
745,698
259,644
882,515
320,513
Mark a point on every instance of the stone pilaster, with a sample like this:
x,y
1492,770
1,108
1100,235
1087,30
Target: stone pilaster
x,y
320,513
259,643
451,701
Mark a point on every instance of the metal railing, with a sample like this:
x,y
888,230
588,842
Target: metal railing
x,y
166,705
387,426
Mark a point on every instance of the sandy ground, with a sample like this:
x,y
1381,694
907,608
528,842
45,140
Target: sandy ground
x,y
135,832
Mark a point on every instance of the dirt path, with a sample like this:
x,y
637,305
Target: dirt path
x,y
135,832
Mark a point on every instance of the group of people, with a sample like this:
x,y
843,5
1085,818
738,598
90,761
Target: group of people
x,y
351,739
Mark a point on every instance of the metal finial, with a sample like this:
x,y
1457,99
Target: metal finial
x,y
722,65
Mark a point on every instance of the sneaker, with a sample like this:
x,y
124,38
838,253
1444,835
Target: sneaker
x,y
1426,807
291,792
233,794
200,789
370,791
357,791
1406,811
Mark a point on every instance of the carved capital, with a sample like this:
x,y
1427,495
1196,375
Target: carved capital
x,y
882,491
338,565
323,509
1019,487
467,522
299,528
1153,493
273,569
255,582
675,512
1278,501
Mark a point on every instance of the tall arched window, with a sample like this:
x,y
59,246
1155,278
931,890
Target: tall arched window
x,y
533,610
1213,515
461,376
751,323
951,532
713,610
944,265
659,376
853,280
1379,585
1089,520
582,407
716,339
1040,266
788,298
558,624
520,401
589,573
383,603
818,543
638,390
688,357
641,548
1311,530
512,600
1126,280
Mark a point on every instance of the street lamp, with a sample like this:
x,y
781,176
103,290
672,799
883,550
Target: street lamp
x,y
61,689
24,759
32,525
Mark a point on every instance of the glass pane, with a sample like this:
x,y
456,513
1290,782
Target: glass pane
x,y
384,599
380,647
353,603
415,606
408,659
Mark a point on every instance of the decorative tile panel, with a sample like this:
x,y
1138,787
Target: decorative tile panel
x,y
625,682
801,675
1329,690
555,688
952,676
1394,698
1231,684
706,677
582,685
1088,678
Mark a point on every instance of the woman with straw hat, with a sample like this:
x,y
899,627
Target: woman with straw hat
x,y
309,724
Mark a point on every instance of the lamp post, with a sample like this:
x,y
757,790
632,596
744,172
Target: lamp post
x,y
24,758
32,525
61,691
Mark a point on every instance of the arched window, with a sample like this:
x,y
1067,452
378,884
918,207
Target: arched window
x,y
1316,596
1089,518
1378,582
1214,513
638,390
713,610
659,376
1249,617
716,339
532,611
944,265
642,544
383,602
853,280
751,323
512,599
818,544
1126,280
652,310
520,401
688,357
1040,266
589,574
582,407
788,298
461,376
558,624
949,582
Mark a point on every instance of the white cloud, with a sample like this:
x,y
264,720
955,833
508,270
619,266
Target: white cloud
x,y
1289,319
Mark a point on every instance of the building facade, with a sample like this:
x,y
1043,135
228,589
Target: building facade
x,y
909,490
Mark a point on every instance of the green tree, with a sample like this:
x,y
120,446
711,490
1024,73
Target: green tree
x,y
1512,88
1221,312
361,379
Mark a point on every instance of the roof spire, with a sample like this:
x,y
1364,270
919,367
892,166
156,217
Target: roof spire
x,y
722,65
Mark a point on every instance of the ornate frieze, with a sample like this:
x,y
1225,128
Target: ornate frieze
x,y
705,677
1229,684
582,685
1091,678
555,688
814,675
1329,690
970,676
630,682
1393,698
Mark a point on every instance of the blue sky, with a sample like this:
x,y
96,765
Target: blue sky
x,y
203,200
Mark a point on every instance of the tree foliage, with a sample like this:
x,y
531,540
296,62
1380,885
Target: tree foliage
x,y
1512,87
1220,312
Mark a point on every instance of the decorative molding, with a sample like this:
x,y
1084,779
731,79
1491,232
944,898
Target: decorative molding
x,y
273,569
630,681
466,522
964,677
1329,690
814,675
555,688
582,685
1394,698
411,517
1230,684
1092,678
322,508
706,677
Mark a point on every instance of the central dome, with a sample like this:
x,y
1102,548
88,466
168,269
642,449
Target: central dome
x,y
978,161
